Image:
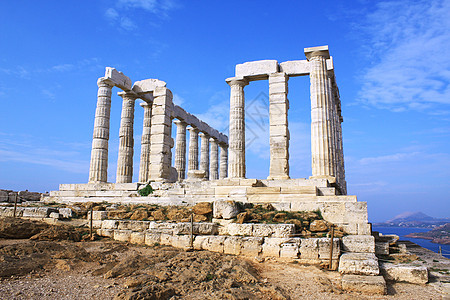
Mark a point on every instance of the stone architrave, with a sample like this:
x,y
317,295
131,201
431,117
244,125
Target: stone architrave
x,y
161,141
180,150
236,142
193,149
145,143
214,160
204,154
321,140
223,172
279,132
126,139
98,171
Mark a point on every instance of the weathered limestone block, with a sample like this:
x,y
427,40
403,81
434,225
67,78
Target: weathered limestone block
x,y
256,69
404,273
122,235
289,250
382,248
139,225
97,215
166,239
240,229
118,78
163,227
359,264
122,225
137,237
324,248
309,249
106,232
232,245
225,209
273,230
214,243
272,246
38,212
147,85
374,285
152,238
65,213
358,243
251,246
392,239
200,242
110,224
295,67
198,228
54,215
181,241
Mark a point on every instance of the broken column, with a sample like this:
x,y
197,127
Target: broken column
x,y
126,139
214,160
161,140
223,172
193,149
204,154
145,143
236,142
321,140
180,151
279,132
98,171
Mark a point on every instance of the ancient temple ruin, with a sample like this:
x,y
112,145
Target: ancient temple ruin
x,y
220,173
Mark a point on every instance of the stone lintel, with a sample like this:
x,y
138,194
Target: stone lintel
x,y
257,70
295,67
118,78
148,85
317,51
331,179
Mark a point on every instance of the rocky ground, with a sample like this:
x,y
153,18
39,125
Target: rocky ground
x,y
55,263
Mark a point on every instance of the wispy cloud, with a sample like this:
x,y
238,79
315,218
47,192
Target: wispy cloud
x,y
387,158
410,47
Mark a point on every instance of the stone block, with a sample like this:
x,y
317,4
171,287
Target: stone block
x,y
373,285
283,230
65,213
225,209
198,228
122,235
289,250
309,249
166,239
232,245
109,224
251,246
214,243
382,248
358,243
55,215
137,237
152,238
38,212
240,229
163,227
272,246
295,67
359,264
122,225
324,248
97,215
255,70
200,242
147,85
106,232
392,239
118,78
181,241
404,273
139,225
364,228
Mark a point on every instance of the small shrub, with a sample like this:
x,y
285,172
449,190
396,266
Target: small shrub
x,y
146,191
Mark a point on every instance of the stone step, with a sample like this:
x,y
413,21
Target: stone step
x,y
373,285
84,193
100,187
359,264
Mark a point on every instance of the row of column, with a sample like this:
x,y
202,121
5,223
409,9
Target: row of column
x,y
155,139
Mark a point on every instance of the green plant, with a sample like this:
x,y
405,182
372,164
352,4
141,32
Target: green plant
x,y
146,191
209,277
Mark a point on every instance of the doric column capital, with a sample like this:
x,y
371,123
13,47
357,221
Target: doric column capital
x,y
145,104
213,140
204,135
193,129
317,52
240,81
103,82
180,123
128,95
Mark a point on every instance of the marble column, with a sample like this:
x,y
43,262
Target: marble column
x,y
279,132
193,149
180,151
321,140
145,143
98,171
214,160
126,139
236,140
204,154
223,173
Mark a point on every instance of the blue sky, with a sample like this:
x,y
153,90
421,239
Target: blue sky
x,y
392,63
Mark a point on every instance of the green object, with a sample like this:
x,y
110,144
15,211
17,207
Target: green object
x,y
146,191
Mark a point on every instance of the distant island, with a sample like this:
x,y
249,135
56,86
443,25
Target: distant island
x,y
439,235
414,219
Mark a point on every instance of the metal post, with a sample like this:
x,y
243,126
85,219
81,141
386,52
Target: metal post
x,y
15,205
192,232
91,224
331,249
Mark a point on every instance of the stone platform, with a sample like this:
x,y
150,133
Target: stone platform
x,y
285,195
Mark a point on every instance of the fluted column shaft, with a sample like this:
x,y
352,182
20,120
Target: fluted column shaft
x,y
214,160
180,151
193,149
126,139
223,173
204,154
145,143
236,162
98,170
321,130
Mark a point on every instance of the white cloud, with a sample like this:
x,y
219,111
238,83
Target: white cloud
x,y
111,14
410,46
178,100
127,24
388,158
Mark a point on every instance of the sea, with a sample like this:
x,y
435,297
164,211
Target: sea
x,y
402,231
